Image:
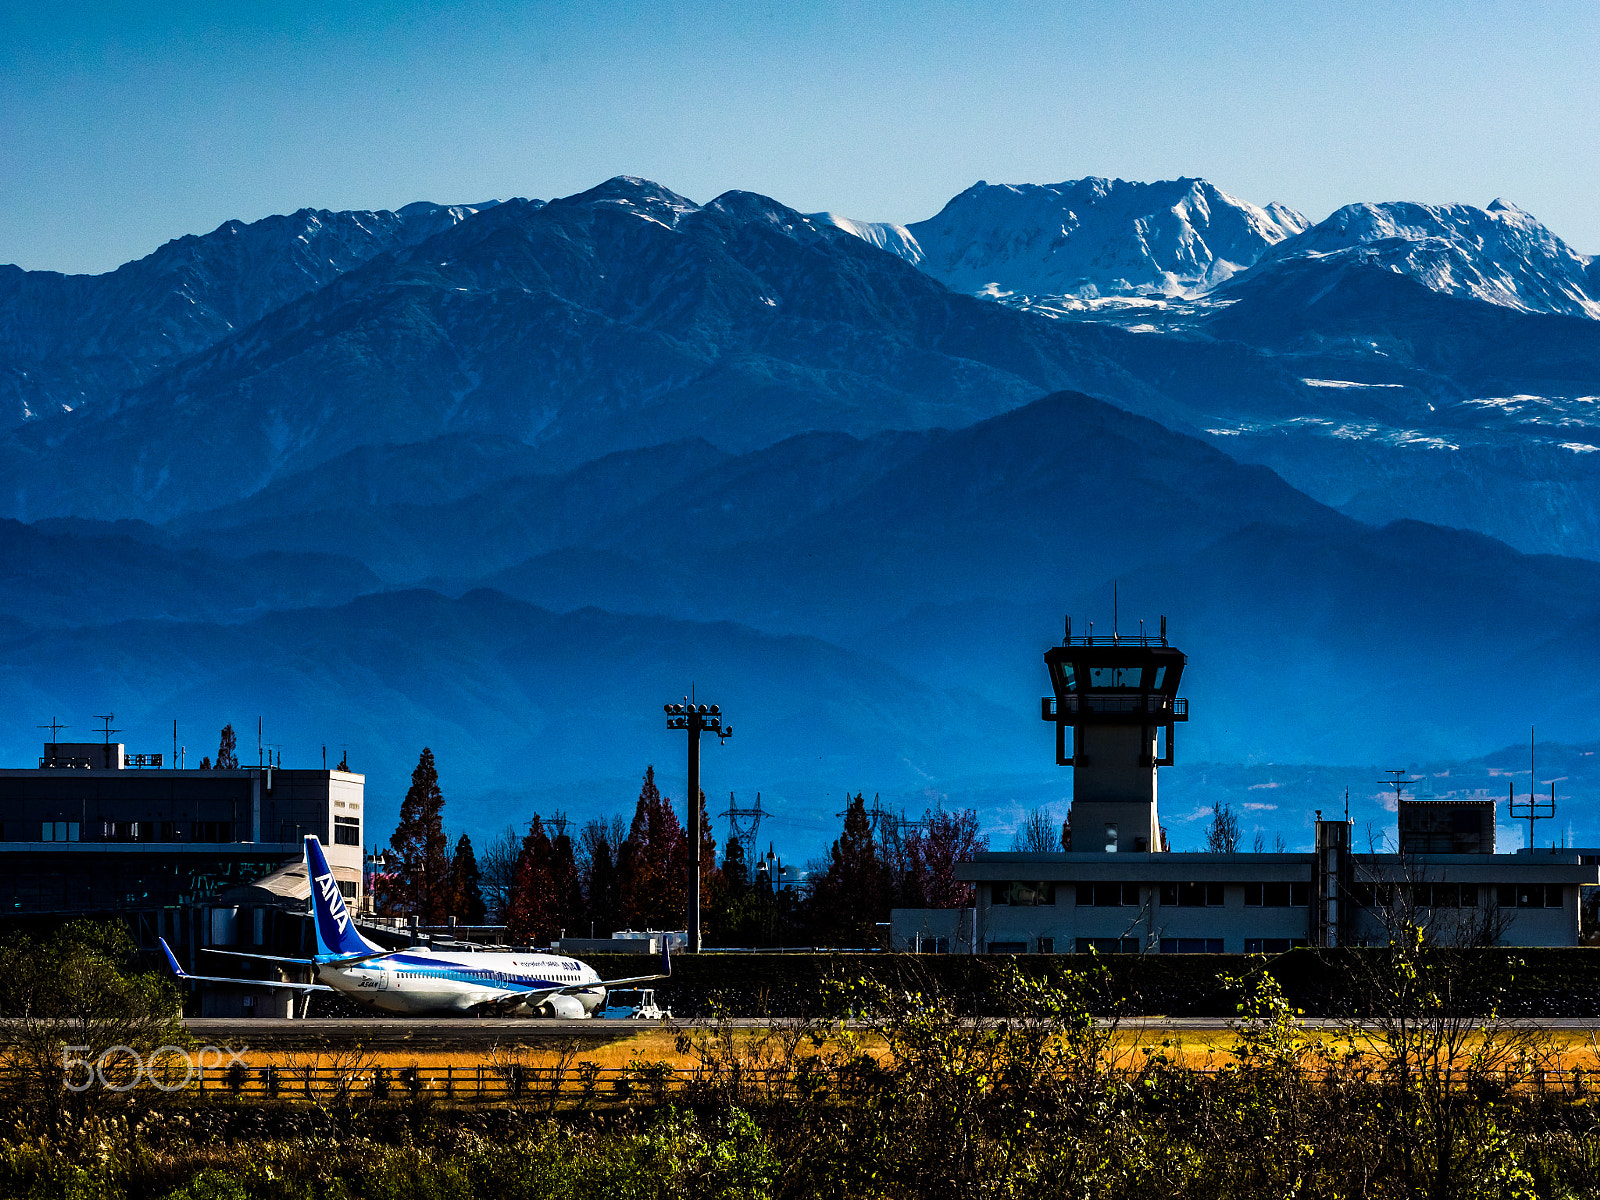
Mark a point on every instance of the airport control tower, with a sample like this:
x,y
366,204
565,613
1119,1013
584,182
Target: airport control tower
x,y
1117,694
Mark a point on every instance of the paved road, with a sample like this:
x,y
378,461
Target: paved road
x,y
471,1033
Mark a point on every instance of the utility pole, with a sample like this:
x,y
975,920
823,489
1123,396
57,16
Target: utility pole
x,y
695,718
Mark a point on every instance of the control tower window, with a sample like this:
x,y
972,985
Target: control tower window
x,y
1115,677
1161,675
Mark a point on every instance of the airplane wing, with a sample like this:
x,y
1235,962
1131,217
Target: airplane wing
x,y
342,961
302,962
666,973
185,977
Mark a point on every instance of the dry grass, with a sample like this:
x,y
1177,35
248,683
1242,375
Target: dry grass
x,y
1561,1050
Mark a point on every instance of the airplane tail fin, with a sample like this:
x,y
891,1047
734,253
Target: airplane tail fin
x,y
336,931
172,959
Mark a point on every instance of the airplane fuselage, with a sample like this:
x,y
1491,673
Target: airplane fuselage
x,y
420,980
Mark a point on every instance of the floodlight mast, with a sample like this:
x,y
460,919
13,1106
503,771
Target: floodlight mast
x,y
696,719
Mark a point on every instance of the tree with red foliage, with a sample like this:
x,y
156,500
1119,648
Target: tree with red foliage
x,y
945,839
653,867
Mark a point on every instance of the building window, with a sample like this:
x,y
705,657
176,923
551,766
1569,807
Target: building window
x,y
213,831
347,889
1108,895
924,944
1445,895
1047,945
1192,895
1530,895
59,831
1108,945
1025,895
1277,895
1008,947
347,831
1272,945
1191,945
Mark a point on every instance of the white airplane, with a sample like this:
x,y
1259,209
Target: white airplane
x,y
416,980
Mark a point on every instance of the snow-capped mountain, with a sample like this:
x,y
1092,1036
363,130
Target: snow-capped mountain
x,y
1093,238
885,235
1499,254
68,340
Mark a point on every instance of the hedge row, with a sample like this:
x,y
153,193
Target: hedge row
x,y
1535,982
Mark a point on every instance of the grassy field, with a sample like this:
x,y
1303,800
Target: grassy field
x,y
1557,1050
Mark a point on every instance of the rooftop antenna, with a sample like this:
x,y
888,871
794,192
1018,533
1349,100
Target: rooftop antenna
x,y
259,761
1067,641
1163,629
1398,783
1347,806
174,741
1535,809
106,729
1113,610
55,728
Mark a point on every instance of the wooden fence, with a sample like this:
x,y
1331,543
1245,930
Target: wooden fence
x,y
585,1084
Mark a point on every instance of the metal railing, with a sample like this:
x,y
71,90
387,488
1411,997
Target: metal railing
x,y
1154,704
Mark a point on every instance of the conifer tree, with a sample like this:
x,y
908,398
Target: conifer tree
x,y
421,881
854,892
603,843
227,751
528,909
654,865
466,887
566,889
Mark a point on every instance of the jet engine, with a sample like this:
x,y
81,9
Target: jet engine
x,y
569,1007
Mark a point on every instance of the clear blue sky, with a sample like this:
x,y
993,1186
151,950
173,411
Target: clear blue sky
x,y
124,125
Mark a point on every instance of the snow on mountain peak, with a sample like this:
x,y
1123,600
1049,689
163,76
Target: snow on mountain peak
x,y
643,196
1499,254
1097,237
885,235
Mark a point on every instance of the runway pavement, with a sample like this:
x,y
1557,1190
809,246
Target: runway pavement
x,y
471,1033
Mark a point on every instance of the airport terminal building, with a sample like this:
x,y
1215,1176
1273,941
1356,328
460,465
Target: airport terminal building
x,y
1118,889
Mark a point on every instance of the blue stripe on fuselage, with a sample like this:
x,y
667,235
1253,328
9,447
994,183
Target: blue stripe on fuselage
x,y
434,968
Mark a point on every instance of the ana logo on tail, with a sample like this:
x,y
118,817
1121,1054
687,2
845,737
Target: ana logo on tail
x,y
334,900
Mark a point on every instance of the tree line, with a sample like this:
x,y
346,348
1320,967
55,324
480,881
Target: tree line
x,y
543,882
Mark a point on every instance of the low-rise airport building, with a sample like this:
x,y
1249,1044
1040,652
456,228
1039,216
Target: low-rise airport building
x,y
179,853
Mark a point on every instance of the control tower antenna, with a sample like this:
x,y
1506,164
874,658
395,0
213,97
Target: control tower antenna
x,y
55,729
107,730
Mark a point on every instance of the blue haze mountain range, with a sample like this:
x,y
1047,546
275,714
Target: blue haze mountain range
x,y
501,478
